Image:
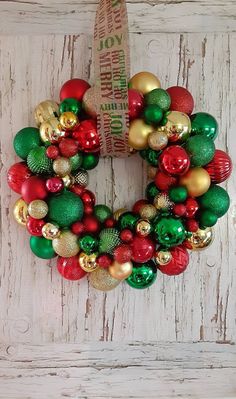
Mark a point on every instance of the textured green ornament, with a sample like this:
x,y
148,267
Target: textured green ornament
x,y
70,105
201,150
42,247
88,244
216,199
65,208
158,97
128,220
76,161
151,191
102,212
204,124
108,240
178,194
169,231
90,161
153,114
25,140
38,162
143,275
152,156
207,219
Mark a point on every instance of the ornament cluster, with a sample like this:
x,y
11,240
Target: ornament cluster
x,y
182,203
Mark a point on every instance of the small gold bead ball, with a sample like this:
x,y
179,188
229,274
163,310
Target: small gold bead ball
x,y
88,262
68,181
68,120
50,231
51,131
163,257
143,228
201,239
148,212
46,110
66,245
120,271
151,172
20,212
158,140
118,213
162,202
101,280
38,209
62,166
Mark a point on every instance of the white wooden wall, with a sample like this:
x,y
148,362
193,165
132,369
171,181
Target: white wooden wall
x,y
63,339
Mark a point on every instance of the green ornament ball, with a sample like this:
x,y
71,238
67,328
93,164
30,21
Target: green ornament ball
x,y
76,161
216,199
151,191
128,220
153,114
158,97
102,212
108,240
200,149
143,275
178,194
70,105
204,124
88,244
25,140
207,219
90,161
38,162
152,156
42,247
169,231
65,208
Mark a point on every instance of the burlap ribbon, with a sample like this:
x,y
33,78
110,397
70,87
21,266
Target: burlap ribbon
x,y
112,69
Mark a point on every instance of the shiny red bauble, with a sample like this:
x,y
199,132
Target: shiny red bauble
x,y
179,210
192,225
77,228
54,184
69,268
126,235
136,103
164,181
220,167
33,188
110,222
52,152
138,205
174,161
74,88
88,209
91,224
104,261
181,99
77,189
16,175
88,197
191,207
87,136
34,226
178,263
142,249
68,147
122,253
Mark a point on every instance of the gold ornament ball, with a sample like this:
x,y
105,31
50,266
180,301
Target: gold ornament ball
x,y
88,262
178,126
197,181
50,231
89,102
151,172
101,280
162,202
148,212
144,82
118,213
68,181
51,131
62,166
120,271
66,245
158,140
201,239
46,110
138,134
20,212
38,209
68,120
163,257
143,228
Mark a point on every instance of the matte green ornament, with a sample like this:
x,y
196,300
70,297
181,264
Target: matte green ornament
x,y
169,231
70,105
128,220
152,156
88,244
25,140
216,199
200,149
204,124
38,161
153,114
90,161
102,212
143,275
158,97
65,208
151,191
42,247
76,161
207,219
108,240
178,194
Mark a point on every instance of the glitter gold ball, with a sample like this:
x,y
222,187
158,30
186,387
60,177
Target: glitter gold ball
x,y
66,245
120,271
46,110
88,262
148,212
138,134
151,172
143,228
38,209
89,102
20,212
118,213
201,239
144,82
51,131
162,202
163,257
68,120
62,166
68,181
50,231
178,126
101,280
158,140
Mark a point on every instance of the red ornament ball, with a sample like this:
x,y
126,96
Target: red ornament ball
x,y
52,152
136,103
174,160
88,197
88,209
87,136
142,249
181,99
68,147
69,268
110,222
34,226
104,261
191,207
74,88
77,228
163,181
220,168
54,184
179,209
123,253
126,235
178,263
16,176
77,189
138,205
192,225
91,224
33,188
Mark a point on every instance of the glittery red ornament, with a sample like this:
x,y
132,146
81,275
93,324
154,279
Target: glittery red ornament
x,y
69,268
33,188
34,226
110,222
54,184
74,88
142,249
91,224
122,253
16,175
138,205
220,167
163,181
104,261
191,207
179,210
174,160
126,235
178,263
77,189
52,152
181,99
77,228
68,147
136,103
87,136
192,225
88,197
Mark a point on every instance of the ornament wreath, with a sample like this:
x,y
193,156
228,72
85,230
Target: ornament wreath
x,y
183,200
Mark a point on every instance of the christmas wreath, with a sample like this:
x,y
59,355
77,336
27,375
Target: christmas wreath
x,y
182,200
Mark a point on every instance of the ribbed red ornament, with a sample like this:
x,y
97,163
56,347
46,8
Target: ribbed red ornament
x,y
69,268
16,175
178,263
220,167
